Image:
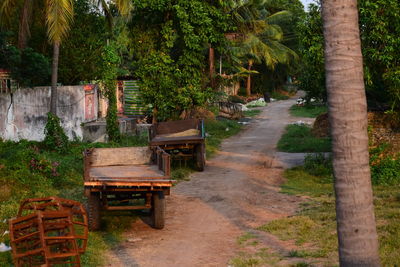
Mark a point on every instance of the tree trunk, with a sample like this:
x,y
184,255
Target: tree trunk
x,y
358,245
23,29
211,60
54,76
155,113
248,85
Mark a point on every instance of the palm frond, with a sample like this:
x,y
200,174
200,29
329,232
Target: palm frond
x,y
59,15
124,6
7,8
278,17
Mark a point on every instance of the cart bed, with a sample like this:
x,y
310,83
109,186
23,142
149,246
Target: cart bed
x,y
128,172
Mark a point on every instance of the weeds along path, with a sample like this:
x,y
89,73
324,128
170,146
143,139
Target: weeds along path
x,y
237,192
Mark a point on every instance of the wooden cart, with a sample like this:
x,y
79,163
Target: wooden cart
x,y
128,178
184,139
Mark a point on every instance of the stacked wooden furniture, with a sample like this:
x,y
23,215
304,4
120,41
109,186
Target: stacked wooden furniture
x,y
49,231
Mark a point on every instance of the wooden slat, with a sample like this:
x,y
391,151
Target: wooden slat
x,y
159,183
127,207
135,172
25,237
120,156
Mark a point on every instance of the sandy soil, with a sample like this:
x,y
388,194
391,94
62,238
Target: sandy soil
x,y
237,192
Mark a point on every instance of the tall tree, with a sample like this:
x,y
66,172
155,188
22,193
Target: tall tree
x,y
262,37
59,15
358,245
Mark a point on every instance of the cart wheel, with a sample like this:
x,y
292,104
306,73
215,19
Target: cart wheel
x,y
94,211
158,210
200,157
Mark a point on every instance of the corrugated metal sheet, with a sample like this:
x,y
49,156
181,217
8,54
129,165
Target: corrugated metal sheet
x,y
133,102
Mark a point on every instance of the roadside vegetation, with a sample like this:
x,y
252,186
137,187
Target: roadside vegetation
x,y
313,228
251,112
308,110
299,139
31,169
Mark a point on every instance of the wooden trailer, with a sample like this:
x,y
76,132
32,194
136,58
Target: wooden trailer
x,y
127,178
184,139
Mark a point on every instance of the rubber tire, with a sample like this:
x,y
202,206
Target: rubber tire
x,y
200,157
94,211
158,210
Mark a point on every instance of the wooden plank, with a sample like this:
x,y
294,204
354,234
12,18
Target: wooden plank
x,y
176,126
135,172
126,207
120,156
134,184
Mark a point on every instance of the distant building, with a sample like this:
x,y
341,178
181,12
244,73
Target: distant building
x,y
6,83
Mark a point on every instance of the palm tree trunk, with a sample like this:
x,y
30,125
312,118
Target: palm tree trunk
x,y
248,85
211,65
23,29
54,77
358,245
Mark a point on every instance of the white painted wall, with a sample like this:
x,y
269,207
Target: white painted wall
x,y
23,114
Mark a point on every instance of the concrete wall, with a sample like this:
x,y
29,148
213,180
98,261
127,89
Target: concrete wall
x,y
23,114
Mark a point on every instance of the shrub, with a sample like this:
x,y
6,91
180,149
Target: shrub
x,y
237,99
55,137
386,172
318,164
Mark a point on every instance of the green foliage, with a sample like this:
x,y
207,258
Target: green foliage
x,y
315,223
385,169
318,164
28,170
380,31
217,131
110,60
168,94
169,42
278,96
251,112
55,137
27,67
386,172
308,111
299,138
80,53
236,99
312,75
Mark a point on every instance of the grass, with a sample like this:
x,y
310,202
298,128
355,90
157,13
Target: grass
x,y
251,112
299,138
262,257
245,238
217,131
279,96
28,170
308,111
314,227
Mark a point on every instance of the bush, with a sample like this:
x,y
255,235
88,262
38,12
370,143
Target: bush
x,y
299,138
318,164
236,99
28,67
55,137
386,172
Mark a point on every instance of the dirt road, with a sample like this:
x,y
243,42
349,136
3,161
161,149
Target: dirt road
x,y
237,192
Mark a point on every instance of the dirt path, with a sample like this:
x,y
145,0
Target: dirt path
x,y
237,192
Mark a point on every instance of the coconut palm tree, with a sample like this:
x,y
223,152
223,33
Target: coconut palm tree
x,y
261,37
58,16
358,245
